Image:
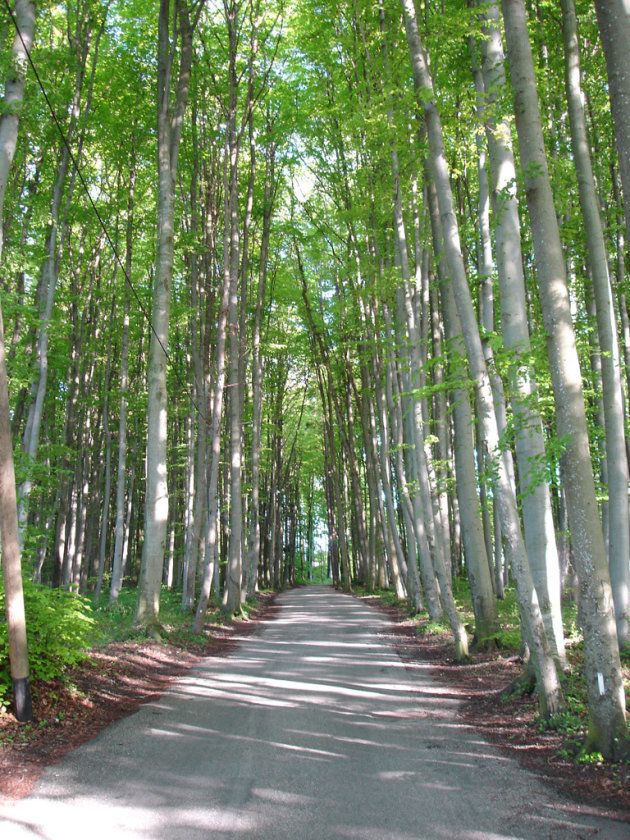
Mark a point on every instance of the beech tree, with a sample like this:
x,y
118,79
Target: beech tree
x,y
603,669
170,111
616,461
550,691
11,561
538,524
80,41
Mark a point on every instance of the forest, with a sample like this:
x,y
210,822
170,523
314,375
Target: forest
x,y
299,290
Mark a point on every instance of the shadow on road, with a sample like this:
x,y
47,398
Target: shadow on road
x,y
312,729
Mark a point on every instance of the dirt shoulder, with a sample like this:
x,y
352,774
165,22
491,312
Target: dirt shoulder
x,y
513,724
121,677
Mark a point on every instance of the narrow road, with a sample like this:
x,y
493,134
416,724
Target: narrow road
x,y
312,730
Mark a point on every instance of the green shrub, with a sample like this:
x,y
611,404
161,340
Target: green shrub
x,y
58,626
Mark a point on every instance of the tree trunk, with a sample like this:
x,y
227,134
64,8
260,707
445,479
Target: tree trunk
x,y
215,411
119,530
257,375
108,469
549,686
616,461
602,665
235,561
50,271
613,18
484,603
538,522
11,561
170,122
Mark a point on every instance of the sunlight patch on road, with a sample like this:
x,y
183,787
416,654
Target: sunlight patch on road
x,y
233,736
295,685
357,833
49,819
284,797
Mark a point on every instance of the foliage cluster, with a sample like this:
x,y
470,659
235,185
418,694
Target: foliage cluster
x,y
60,626
115,622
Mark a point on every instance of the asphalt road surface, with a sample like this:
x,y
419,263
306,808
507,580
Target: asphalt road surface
x,y
313,729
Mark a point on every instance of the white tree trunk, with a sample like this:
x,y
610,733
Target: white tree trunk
x,y
484,602
547,678
170,121
602,666
538,523
616,461
215,412
11,560
613,18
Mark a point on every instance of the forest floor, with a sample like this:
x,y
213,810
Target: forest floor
x,y
121,676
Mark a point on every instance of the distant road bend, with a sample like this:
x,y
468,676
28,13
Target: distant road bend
x,y
313,729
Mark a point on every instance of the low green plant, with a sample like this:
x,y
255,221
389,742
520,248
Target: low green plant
x,y
113,621
58,628
4,690
433,627
385,596
590,758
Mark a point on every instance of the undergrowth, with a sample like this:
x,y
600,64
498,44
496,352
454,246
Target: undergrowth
x,y
59,627
63,627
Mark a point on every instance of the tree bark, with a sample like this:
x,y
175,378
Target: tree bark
x,y
215,411
484,602
550,692
613,18
602,666
11,560
616,461
170,122
119,529
538,524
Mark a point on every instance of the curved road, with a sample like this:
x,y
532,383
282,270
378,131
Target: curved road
x,y
311,730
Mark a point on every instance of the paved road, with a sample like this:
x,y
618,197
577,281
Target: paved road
x,y
312,730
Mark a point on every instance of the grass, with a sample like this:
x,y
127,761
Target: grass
x,y
116,623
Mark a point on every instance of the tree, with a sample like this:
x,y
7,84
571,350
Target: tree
x,y
538,524
85,21
24,21
546,675
616,461
613,17
170,112
602,665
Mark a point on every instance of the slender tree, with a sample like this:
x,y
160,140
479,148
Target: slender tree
x,y
616,461
538,524
613,17
170,112
11,561
550,692
602,665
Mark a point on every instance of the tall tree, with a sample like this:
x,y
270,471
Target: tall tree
x,y
613,17
11,562
171,106
616,461
80,43
549,687
121,481
538,524
602,665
